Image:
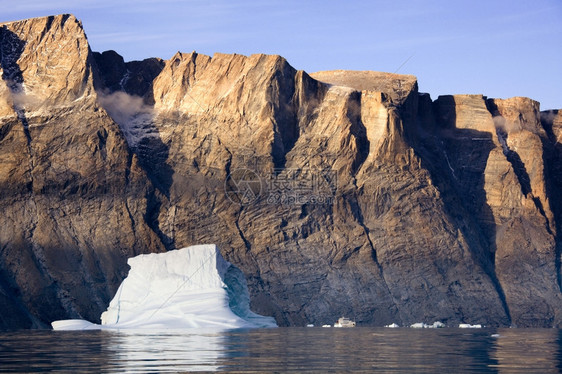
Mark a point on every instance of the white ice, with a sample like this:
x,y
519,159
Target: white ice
x,y
469,326
193,287
392,326
421,325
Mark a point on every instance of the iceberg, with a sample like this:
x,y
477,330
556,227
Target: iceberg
x,y
469,326
193,287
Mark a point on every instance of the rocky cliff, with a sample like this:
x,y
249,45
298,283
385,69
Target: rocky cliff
x,y
336,193
73,196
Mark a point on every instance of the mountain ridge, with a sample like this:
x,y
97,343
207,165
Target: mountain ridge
x,y
363,196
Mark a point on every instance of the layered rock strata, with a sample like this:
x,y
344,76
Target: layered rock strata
x,y
335,193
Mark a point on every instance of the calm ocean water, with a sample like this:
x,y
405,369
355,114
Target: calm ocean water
x,y
285,349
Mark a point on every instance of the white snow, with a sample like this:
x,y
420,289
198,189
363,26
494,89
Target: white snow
x,y
469,326
134,117
193,287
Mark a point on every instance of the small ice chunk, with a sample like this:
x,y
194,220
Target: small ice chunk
x,y
326,325
74,324
418,325
421,325
310,325
469,326
392,326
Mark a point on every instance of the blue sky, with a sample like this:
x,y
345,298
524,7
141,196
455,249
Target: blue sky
x,y
497,48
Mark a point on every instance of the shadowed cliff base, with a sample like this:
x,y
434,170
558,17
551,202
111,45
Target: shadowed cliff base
x,y
456,157
11,49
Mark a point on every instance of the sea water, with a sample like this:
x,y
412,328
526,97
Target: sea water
x,y
401,350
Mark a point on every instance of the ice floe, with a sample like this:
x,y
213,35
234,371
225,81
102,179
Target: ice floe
x,y
421,325
469,326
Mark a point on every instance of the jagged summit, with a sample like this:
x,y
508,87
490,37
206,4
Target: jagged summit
x,y
336,193
47,18
48,58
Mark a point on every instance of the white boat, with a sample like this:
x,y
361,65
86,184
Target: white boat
x,y
344,322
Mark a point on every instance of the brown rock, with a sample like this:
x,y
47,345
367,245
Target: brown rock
x,y
336,193
73,196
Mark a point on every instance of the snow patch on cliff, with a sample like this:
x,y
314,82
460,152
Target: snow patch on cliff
x,y
134,117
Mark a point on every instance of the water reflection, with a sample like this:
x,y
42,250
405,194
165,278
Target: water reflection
x,y
98,351
165,351
283,349
39,351
361,349
528,351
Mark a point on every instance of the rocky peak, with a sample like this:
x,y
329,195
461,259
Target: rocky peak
x,y
467,112
45,61
552,121
397,86
516,114
134,77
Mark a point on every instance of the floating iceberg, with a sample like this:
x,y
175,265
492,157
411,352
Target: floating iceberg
x,y
194,287
392,326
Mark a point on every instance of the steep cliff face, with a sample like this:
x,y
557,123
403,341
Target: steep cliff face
x,y
73,197
335,193
489,157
